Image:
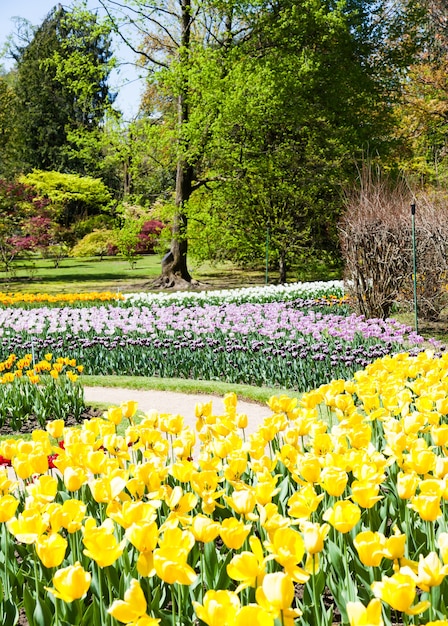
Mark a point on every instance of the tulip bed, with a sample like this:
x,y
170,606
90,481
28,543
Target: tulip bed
x,y
295,337
334,509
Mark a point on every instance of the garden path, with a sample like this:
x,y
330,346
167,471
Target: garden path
x,y
175,403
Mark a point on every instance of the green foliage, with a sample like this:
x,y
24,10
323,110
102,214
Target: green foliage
x,y
72,196
127,240
99,243
61,88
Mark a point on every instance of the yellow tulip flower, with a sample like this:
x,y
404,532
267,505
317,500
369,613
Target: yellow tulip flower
x,y
370,547
28,526
218,607
442,543
360,615
243,502
51,549
8,507
407,483
253,614
55,428
101,545
427,506
431,571
276,595
365,493
304,502
314,535
69,516
399,592
143,535
288,548
114,415
171,566
74,478
132,607
248,567
70,583
343,516
333,480
234,532
204,529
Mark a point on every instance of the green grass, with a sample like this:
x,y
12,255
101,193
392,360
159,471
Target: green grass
x,y
76,275
182,385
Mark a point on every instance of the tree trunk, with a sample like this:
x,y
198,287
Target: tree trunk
x,y
282,267
174,264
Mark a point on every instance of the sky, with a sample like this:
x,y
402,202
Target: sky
x,y
125,81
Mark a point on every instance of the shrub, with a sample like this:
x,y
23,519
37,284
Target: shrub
x,y
99,243
376,243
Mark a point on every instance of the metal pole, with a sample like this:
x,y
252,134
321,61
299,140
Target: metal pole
x,y
414,259
267,257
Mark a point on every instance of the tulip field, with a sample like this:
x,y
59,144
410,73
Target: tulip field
x,y
333,511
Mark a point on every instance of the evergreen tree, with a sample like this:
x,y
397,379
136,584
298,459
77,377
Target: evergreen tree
x,y
61,89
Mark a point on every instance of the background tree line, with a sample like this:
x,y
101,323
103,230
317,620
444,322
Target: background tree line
x,y
257,117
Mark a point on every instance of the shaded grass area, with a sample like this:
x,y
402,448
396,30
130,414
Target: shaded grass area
x,y
75,275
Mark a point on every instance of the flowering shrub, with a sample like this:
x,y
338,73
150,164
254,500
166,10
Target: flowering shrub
x,y
166,524
46,389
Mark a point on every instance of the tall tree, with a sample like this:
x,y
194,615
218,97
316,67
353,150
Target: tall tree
x,y
61,88
172,37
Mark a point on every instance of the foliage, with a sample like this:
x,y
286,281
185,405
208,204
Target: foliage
x,y
61,87
98,243
127,240
20,210
72,196
376,243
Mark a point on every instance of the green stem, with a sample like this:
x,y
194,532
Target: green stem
x,y
316,602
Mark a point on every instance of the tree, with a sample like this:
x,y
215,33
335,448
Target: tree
x,y
72,197
172,38
61,88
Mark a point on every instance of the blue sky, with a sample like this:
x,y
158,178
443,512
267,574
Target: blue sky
x,y
125,81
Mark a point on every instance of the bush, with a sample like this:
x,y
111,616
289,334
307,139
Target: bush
x,y
376,243
99,243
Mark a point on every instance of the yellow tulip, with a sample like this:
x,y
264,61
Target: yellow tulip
x,y
248,567
365,493
304,502
234,532
360,615
430,571
442,542
132,607
51,549
218,608
370,547
399,592
28,526
204,529
288,548
8,507
427,506
253,614
276,595
69,516
129,409
114,415
333,480
74,478
143,535
101,544
70,583
314,535
407,483
343,516
55,428
243,502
